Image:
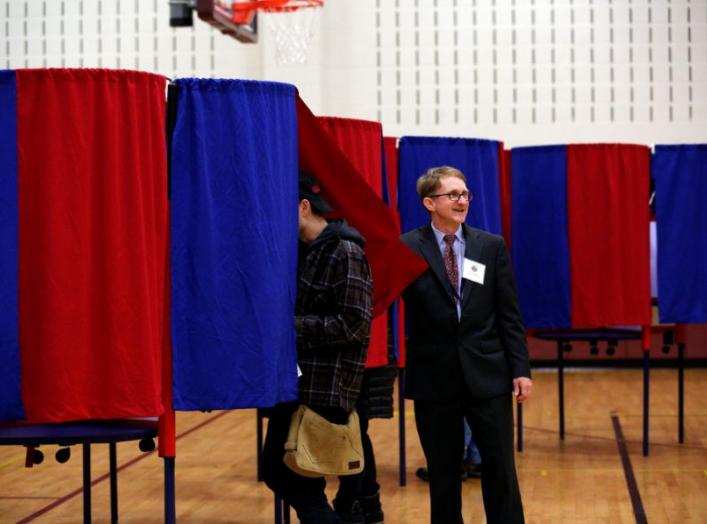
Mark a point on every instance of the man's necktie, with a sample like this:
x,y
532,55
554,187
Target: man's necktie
x,y
450,264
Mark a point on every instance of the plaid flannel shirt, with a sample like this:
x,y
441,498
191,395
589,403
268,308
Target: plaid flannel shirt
x,y
333,318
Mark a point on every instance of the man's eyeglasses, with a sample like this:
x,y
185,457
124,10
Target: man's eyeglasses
x,y
455,196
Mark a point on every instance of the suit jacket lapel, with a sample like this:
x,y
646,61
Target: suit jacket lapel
x,y
473,252
430,250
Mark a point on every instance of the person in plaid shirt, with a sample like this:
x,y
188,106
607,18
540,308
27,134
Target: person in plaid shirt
x,y
333,319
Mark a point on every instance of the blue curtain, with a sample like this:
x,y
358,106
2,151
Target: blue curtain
x,y
384,175
234,244
540,235
10,394
680,173
477,159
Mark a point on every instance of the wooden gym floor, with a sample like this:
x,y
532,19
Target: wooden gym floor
x,y
579,480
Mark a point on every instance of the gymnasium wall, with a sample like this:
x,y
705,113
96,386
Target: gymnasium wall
x,y
526,72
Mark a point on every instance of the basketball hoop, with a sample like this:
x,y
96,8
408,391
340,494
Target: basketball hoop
x,y
291,25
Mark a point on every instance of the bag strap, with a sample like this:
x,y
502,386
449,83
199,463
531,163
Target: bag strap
x,y
291,443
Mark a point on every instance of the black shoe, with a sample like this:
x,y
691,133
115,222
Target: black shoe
x,y
423,474
350,513
372,510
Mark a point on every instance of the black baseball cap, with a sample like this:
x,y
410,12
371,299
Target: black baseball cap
x,y
310,189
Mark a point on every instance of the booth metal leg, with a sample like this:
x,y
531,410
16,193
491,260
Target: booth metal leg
x,y
561,387
681,393
278,510
401,426
169,497
113,459
519,426
646,399
259,443
86,483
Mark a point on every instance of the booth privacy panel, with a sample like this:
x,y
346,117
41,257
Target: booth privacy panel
x,y
362,143
92,225
10,394
680,173
540,243
393,264
234,244
581,235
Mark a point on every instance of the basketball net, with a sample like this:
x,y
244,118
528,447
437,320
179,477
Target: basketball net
x,y
291,23
293,31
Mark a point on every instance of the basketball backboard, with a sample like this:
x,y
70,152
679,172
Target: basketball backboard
x,y
219,13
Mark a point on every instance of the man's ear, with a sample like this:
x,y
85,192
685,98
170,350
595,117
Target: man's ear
x,y
429,204
305,206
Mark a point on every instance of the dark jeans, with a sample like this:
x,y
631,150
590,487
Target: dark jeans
x,y
306,495
363,484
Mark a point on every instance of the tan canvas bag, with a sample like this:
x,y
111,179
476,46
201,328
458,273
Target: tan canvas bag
x,y
316,447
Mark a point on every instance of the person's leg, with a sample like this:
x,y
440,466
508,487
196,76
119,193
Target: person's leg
x,y
467,438
369,490
473,452
306,495
274,447
492,427
441,432
346,502
358,497
472,458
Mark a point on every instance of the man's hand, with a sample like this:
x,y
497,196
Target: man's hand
x,y
522,386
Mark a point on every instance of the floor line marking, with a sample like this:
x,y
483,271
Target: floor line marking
x,y
631,484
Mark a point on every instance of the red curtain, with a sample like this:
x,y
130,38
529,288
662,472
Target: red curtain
x,y
393,264
608,215
93,242
390,148
504,188
390,145
361,142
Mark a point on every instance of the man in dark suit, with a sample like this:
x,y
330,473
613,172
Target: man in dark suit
x,y
466,351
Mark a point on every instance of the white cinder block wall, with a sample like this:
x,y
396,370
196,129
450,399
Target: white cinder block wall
x,y
524,71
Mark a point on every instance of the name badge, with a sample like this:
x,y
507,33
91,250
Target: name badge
x,y
474,271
